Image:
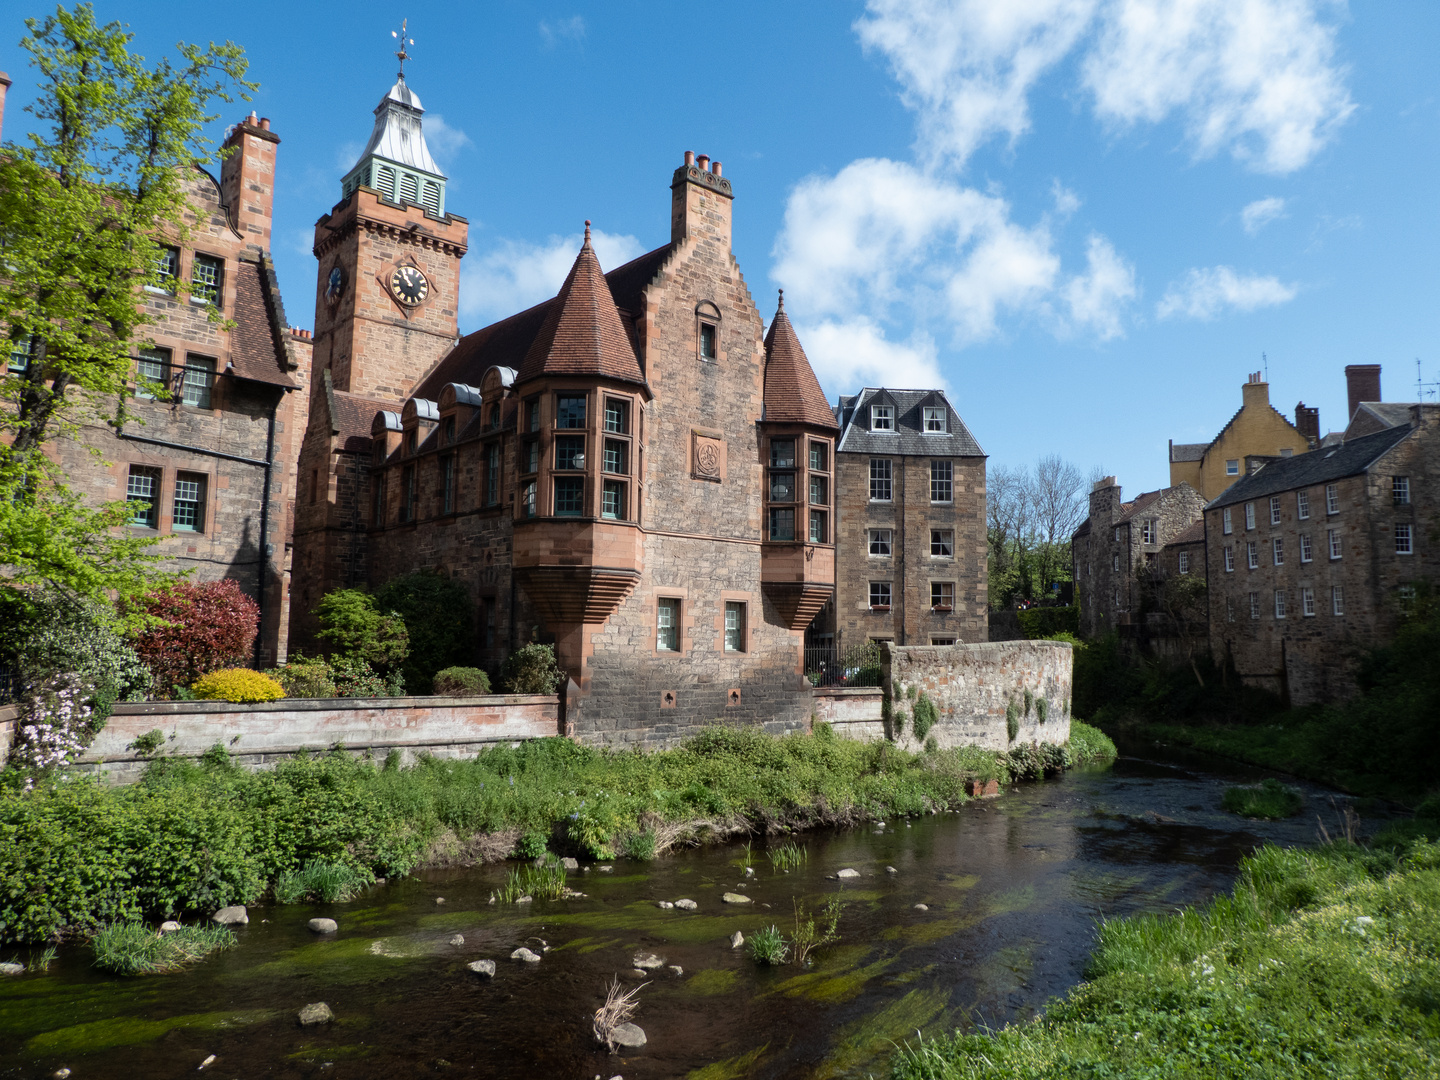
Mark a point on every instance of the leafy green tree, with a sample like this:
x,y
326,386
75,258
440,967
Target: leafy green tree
x,y
440,618
355,626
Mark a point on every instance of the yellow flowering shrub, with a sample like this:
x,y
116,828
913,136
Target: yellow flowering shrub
x,y
237,684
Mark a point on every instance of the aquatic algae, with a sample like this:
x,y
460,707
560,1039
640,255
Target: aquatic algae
x,y
838,978
927,931
736,1068
1009,901
131,1031
713,981
961,881
878,1033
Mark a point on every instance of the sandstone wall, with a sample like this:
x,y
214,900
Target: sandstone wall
x,y
972,686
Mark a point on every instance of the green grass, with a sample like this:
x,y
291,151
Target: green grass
x,y
327,882
1270,799
1323,962
787,856
544,882
767,946
1089,745
136,949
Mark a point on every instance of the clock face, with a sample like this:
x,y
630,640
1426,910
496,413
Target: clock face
x,y
335,285
409,285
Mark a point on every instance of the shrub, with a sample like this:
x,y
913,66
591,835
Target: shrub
x,y
205,627
1042,709
1012,720
358,629
462,682
767,946
532,845
531,670
355,677
440,617
1034,762
639,846
1270,799
56,724
1046,622
238,685
134,949
304,678
1089,744
809,935
926,716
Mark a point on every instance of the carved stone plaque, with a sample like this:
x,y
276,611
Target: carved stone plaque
x,y
707,458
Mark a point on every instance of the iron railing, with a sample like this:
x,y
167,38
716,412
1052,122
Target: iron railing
x,y
852,665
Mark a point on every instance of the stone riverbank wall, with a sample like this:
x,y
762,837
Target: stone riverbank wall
x,y
259,735
973,687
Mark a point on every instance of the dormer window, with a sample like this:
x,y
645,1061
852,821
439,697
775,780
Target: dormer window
x,y
934,421
494,417
448,431
882,417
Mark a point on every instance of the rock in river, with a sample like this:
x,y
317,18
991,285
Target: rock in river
x,y
628,1036
318,1013
665,904
525,955
647,961
235,915
12,969
735,898
686,905
737,939
458,940
323,926
484,968
848,873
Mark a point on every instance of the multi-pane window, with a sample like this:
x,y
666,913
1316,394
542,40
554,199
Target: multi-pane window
x,y
880,542
1232,467
616,453
818,457
1229,610
1229,558
530,457
782,486
1334,537
1184,562
707,342
734,626
1407,598
1226,527
612,500
1277,550
879,594
569,452
942,641
1307,549
942,481
207,278
882,418
412,439
934,419
1274,509
492,474
667,624
1252,555
1150,531
199,376
879,479
408,499
151,368
377,510
1254,605
819,490
782,453
782,523
447,484
1307,602
1332,498
1302,505
617,416
527,499
189,503
942,543
167,268
1279,603
569,496
1402,540
1337,599
817,526
942,595
1249,515
142,491
22,349
1400,490
569,411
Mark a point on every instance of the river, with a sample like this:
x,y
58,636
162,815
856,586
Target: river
x,y
1014,887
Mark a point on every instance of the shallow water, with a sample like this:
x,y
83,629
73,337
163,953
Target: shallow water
x,y
1015,887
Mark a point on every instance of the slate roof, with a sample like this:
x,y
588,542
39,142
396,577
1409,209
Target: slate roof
x,y
258,344
506,343
1188,451
1392,413
351,417
792,393
909,437
1140,502
1191,534
582,333
1317,467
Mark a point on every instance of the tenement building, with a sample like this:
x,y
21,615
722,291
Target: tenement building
x,y
1312,559
1257,431
1120,538
910,522
637,470
218,401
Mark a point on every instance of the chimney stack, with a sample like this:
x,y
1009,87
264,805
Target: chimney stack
x,y
700,198
1307,422
247,180
1362,383
1256,392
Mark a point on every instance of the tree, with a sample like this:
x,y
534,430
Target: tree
x,y
1007,526
1058,506
440,619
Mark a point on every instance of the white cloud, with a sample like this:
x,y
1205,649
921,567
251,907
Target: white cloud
x,y
1097,298
1260,213
347,155
444,141
1207,292
1066,201
854,352
517,274
571,29
1256,77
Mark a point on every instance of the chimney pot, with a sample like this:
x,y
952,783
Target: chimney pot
x,y
264,123
703,160
689,158
715,168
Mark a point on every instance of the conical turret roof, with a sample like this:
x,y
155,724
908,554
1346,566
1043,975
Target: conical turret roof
x,y
582,334
792,393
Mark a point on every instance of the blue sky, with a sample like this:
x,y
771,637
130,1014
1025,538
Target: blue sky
x,y
1087,219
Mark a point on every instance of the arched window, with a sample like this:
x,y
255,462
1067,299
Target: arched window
x,y
707,331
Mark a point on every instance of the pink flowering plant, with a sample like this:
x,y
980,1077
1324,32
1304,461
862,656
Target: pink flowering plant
x,y
57,722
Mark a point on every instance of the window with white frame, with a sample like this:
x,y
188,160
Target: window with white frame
x,y
1307,603
817,526
1252,555
1302,505
935,420
942,595
527,499
1226,526
1277,550
1332,498
1229,558
199,377
167,269
1279,603
189,515
1337,600
880,477
942,477
942,543
1249,516
1254,605
1334,538
667,624
1150,531
152,368
1307,549
1118,531
882,418
1232,467
1184,562
942,641
207,279
879,594
142,491
22,351
880,542
1400,490
612,500
1274,509
1402,540
734,626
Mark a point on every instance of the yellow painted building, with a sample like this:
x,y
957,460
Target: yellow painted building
x,y
1257,430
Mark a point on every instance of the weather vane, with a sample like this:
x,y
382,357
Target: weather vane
x,y
401,54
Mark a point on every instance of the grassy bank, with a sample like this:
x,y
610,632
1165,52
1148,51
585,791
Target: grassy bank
x,y
1322,963
76,855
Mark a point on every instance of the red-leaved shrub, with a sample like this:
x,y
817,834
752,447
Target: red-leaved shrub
x,y
212,626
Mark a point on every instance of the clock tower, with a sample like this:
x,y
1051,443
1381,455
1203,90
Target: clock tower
x,y
387,291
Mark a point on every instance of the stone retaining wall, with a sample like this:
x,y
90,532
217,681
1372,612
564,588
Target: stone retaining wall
x,y
259,735
854,712
9,717
973,685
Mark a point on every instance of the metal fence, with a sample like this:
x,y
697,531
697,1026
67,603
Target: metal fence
x,y
853,665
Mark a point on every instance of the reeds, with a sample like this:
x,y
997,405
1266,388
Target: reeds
x,y
787,856
135,949
620,1005
767,946
323,881
543,882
